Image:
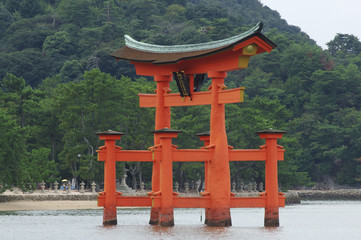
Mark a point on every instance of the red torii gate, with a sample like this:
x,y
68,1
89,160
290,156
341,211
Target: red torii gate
x,y
185,61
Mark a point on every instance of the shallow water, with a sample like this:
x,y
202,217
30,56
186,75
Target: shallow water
x,y
309,220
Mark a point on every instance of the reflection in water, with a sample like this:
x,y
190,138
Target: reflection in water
x,y
162,231
217,232
326,220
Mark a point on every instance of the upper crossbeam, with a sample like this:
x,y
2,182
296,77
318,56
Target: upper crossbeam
x,y
188,155
235,95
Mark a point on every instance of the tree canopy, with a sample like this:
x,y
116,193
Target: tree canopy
x,y
59,86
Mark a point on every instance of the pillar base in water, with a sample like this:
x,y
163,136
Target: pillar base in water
x,y
271,223
219,223
271,219
166,218
153,222
110,216
206,210
167,224
109,222
218,218
154,216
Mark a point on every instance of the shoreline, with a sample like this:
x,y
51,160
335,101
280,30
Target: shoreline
x,y
340,194
10,201
47,205
16,201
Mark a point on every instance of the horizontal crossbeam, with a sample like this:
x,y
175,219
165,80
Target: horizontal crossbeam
x,y
128,155
252,155
189,155
235,95
253,202
189,202
128,201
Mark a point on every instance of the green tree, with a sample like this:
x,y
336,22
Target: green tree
x,y
31,8
40,168
28,33
12,152
96,103
258,83
334,90
343,45
20,100
30,64
221,28
50,48
257,114
175,13
59,43
300,60
71,70
90,40
5,19
76,12
27,8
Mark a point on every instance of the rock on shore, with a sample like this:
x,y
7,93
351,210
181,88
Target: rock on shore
x,y
48,197
292,198
341,194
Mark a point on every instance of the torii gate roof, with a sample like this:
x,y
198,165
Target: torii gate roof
x,y
159,54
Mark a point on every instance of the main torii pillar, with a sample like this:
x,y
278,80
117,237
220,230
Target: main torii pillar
x,y
162,120
189,64
219,212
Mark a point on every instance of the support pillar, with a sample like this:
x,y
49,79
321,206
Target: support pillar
x,y
162,120
219,187
166,215
110,203
205,137
271,218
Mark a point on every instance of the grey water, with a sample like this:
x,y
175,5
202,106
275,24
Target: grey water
x,y
308,220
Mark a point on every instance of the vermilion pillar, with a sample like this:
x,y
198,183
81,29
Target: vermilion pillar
x,y
205,137
162,120
219,187
271,218
110,204
166,216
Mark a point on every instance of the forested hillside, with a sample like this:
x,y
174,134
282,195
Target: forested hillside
x,y
59,86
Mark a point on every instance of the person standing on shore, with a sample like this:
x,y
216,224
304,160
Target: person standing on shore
x,y
64,181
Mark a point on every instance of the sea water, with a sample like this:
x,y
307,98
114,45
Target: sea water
x,y
308,220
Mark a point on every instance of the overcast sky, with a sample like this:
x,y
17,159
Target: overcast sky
x,y
320,19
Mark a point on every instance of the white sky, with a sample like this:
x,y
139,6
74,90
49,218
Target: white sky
x,y
320,19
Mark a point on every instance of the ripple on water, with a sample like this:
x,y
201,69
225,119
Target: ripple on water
x,y
324,219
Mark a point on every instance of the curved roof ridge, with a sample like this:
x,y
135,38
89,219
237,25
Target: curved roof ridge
x,y
147,47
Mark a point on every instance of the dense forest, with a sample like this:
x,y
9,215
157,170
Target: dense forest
x,y
59,86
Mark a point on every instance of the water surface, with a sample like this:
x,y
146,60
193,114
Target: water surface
x,y
309,220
